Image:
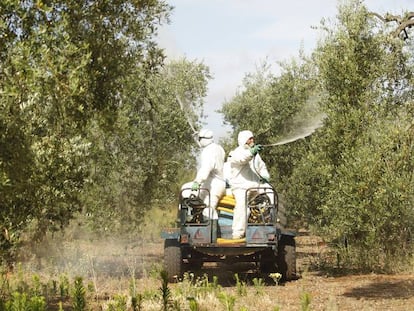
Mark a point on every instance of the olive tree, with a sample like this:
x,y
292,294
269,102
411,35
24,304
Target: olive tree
x,y
151,150
63,68
351,181
355,184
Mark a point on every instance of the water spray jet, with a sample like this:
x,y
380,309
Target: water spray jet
x,y
304,132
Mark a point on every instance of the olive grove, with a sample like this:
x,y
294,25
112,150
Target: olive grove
x,y
97,125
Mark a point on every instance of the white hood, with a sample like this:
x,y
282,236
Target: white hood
x,y
244,137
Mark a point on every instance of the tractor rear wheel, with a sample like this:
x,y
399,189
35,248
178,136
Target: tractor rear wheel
x,y
173,259
286,258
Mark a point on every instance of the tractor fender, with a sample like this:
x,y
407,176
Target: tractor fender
x,y
171,234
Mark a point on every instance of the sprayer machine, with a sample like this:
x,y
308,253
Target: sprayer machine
x,y
197,239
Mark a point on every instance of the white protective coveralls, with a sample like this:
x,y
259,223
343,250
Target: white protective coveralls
x,y
209,174
245,169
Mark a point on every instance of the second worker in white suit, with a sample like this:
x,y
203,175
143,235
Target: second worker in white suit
x,y
210,173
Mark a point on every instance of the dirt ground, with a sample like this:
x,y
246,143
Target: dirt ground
x,y
350,292
108,262
360,292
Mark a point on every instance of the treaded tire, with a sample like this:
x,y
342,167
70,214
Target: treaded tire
x,y
173,259
286,258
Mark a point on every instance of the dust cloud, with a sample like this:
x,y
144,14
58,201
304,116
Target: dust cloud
x,y
79,253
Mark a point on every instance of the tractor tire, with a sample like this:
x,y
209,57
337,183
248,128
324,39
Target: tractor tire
x,y
286,258
173,260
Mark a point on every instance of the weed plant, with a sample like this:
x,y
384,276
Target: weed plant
x,y
136,298
131,290
136,302
64,286
192,293
240,286
258,285
79,295
22,302
305,301
118,303
193,304
165,291
276,277
227,300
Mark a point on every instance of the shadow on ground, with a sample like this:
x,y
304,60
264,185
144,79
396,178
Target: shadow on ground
x,y
383,290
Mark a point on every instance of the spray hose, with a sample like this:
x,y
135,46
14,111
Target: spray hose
x,y
258,174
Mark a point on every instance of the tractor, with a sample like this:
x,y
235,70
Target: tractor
x,y
197,239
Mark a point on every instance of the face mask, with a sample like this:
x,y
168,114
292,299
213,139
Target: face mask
x,y
204,141
199,138
250,143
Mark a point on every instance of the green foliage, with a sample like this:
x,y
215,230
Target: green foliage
x,y
89,116
227,300
165,291
193,304
277,108
374,197
36,286
258,284
305,301
352,179
79,295
21,302
241,286
136,302
355,183
40,105
136,298
152,145
64,286
119,303
37,303
196,288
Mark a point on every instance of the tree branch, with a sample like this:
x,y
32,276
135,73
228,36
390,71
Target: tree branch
x,y
403,22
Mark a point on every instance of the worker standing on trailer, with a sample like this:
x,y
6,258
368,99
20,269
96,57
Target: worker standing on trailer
x,y
247,170
210,173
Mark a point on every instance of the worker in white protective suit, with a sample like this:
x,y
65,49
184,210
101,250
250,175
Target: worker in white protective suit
x,y
209,174
227,176
247,170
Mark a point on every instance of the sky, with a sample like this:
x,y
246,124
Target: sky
x,y
234,37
